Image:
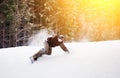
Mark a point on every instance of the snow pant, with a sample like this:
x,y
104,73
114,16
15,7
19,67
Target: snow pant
x,y
46,50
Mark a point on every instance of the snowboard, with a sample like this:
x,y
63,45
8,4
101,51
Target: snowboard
x,y
32,59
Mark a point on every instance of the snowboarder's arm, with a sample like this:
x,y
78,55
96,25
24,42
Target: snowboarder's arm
x,y
64,48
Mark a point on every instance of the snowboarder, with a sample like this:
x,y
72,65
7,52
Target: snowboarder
x,y
55,40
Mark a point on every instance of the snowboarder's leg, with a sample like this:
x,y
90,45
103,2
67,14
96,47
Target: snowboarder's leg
x,y
37,55
48,49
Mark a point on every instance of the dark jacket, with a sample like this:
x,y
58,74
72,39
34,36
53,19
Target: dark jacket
x,y
53,41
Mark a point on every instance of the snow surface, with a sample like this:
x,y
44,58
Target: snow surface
x,y
86,60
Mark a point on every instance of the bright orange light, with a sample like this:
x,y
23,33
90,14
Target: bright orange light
x,y
100,16
95,17
106,10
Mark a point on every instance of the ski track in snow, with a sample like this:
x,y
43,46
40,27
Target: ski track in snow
x,y
86,60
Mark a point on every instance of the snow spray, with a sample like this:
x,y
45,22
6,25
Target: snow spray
x,y
39,38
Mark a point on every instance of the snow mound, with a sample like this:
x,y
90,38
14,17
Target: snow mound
x,y
86,60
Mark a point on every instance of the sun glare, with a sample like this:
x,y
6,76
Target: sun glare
x,y
100,15
94,17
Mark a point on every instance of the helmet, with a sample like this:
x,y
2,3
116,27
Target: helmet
x,y
61,36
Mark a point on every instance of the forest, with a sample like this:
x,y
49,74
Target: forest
x,y
97,20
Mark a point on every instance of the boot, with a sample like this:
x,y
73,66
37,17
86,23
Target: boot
x,y
38,54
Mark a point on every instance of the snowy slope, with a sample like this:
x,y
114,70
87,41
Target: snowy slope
x,y
86,60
